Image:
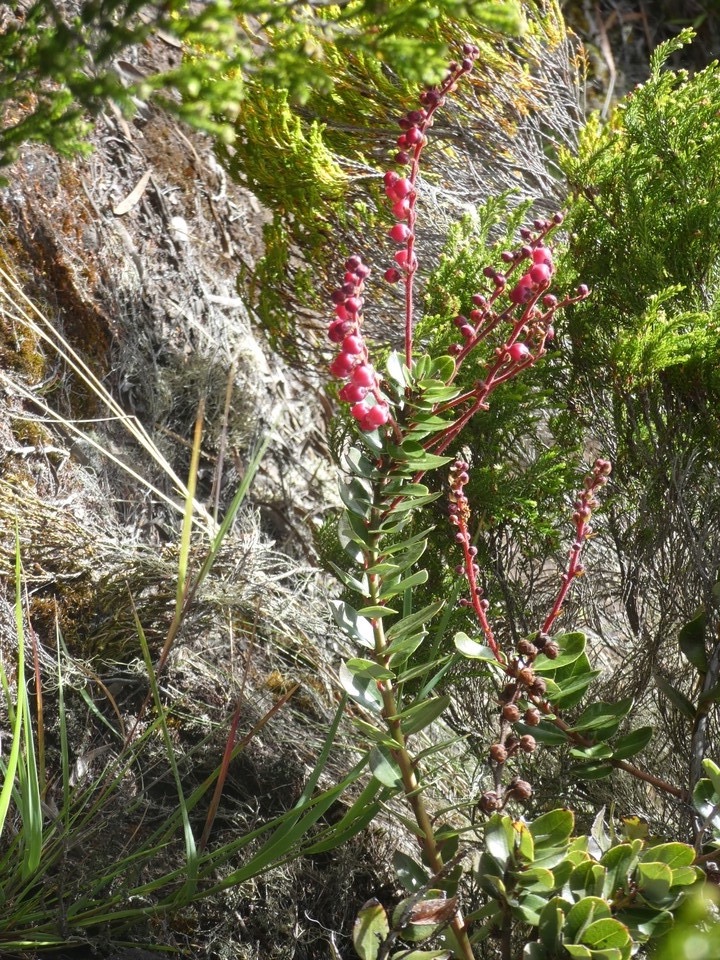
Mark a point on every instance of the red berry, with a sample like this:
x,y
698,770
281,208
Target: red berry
x,y
338,330
401,188
353,305
342,365
402,158
583,290
340,312
401,209
353,345
518,351
416,116
392,275
352,393
391,178
360,410
540,273
377,416
402,141
352,263
542,255
401,258
413,136
363,375
400,233
523,291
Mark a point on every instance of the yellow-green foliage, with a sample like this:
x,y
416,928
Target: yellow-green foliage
x,y
645,222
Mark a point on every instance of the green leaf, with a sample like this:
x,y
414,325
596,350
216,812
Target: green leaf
x,y
422,714
588,879
384,768
552,829
353,624
620,862
599,751
571,645
675,855
677,698
691,639
707,803
410,623
376,612
712,770
370,930
363,689
397,371
472,649
632,743
544,732
607,933
358,586
356,494
585,912
422,955
536,879
393,589
591,771
602,719
442,368
528,908
552,918
368,668
654,881
645,923
401,649
410,874
500,838
418,920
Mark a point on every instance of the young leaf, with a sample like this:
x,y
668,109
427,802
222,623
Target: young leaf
x,y
370,930
572,645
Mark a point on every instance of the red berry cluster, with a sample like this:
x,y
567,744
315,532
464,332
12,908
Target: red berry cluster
x,y
369,406
400,190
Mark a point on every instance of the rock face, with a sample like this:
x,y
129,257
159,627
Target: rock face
x,y
120,317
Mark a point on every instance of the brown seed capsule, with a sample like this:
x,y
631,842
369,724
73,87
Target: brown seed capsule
x,y
527,743
551,650
511,745
532,716
526,676
510,713
538,687
508,692
527,649
490,802
498,753
520,790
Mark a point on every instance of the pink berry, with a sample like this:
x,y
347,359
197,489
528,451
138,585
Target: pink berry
x,y
540,273
352,393
340,312
342,365
401,209
467,331
392,275
402,158
549,300
352,263
337,296
363,374
583,290
542,255
360,410
400,233
391,178
353,305
401,258
401,188
377,416
353,345
413,136
518,351
402,141
338,330
523,291
416,116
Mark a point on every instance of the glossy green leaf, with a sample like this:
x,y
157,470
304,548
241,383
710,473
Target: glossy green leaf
x,y
707,803
632,743
551,921
422,955
384,768
410,623
579,952
620,861
712,771
571,645
528,907
500,838
377,612
581,915
654,881
360,586
686,876
592,771
676,697
356,494
599,751
691,639
472,649
675,855
401,649
442,367
536,879
352,624
645,922
587,879
392,589
358,464
545,732
422,714
370,930
362,689
552,829
607,933
397,371
602,719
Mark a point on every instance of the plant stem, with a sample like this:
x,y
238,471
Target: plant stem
x,y
411,784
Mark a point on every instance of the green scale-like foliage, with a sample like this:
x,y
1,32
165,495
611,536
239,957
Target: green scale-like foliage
x,y
646,222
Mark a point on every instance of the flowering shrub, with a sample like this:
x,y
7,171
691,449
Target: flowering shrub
x,y
533,888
